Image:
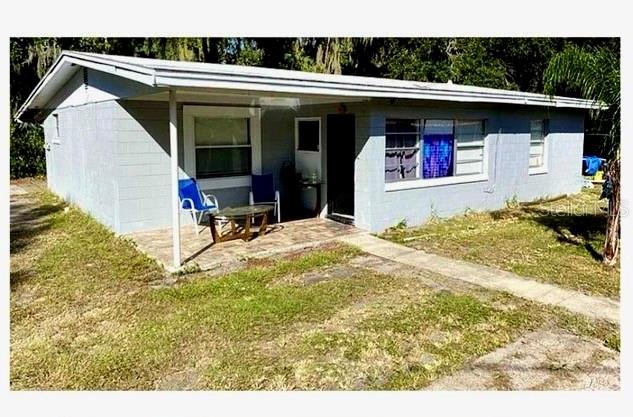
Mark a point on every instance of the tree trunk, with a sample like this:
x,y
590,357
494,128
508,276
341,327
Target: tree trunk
x,y
210,52
612,236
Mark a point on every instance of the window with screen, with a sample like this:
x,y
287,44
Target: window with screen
x,y
538,133
223,147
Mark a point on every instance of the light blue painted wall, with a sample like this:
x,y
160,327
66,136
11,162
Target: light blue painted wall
x,y
378,209
141,132
81,161
113,160
143,158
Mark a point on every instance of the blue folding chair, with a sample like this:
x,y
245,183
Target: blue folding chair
x,y
263,192
195,202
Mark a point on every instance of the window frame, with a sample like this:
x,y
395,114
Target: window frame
x,y
248,146
56,136
484,134
308,119
418,160
543,168
254,116
419,182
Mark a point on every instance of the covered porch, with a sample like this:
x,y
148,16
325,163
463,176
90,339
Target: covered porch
x,y
223,138
199,251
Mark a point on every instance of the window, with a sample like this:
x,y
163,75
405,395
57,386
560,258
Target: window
x,y
538,132
222,146
308,134
470,137
402,149
56,125
448,148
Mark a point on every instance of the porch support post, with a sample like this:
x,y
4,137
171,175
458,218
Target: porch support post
x,y
175,200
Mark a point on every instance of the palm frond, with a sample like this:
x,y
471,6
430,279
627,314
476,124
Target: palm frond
x,y
594,74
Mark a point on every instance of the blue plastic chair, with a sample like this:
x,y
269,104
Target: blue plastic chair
x,y
592,164
263,192
195,202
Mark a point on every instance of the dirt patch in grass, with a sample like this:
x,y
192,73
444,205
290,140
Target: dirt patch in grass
x,y
541,360
558,241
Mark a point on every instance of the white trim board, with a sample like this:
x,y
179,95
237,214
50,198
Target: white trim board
x,y
254,115
434,182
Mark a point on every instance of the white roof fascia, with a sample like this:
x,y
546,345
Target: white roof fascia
x,y
309,87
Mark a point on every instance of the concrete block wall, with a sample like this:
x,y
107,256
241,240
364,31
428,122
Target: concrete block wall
x,y
508,160
113,160
81,160
141,131
368,174
142,134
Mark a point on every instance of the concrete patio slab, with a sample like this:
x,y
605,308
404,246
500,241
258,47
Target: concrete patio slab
x,y
208,256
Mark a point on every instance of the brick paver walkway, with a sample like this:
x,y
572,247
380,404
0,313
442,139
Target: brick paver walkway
x,y
492,278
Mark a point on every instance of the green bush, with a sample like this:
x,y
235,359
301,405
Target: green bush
x,y
28,157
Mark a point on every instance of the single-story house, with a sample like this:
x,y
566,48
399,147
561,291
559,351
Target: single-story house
x,y
120,131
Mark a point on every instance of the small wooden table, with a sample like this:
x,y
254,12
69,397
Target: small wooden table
x,y
248,214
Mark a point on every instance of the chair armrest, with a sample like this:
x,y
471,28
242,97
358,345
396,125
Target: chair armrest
x,y
182,204
210,199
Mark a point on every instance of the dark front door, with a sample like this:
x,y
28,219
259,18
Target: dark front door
x,y
341,153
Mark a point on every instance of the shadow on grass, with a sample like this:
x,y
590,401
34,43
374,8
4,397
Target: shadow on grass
x,y
575,229
18,277
270,229
28,220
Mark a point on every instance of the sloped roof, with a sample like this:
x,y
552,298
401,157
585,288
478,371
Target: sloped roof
x,y
165,73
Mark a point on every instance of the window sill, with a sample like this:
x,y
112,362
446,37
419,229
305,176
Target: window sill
x,y
537,171
224,182
434,182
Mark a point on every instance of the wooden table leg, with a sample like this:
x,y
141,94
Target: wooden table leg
x,y
214,232
247,228
262,226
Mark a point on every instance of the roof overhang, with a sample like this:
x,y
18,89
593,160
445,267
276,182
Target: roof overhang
x,y
178,74
62,70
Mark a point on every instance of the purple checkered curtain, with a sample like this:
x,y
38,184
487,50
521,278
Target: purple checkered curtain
x,y
438,149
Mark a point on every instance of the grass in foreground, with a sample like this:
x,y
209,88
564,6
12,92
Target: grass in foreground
x,y
84,316
559,241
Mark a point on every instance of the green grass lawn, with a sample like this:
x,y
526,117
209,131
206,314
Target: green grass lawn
x,y
88,311
558,241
